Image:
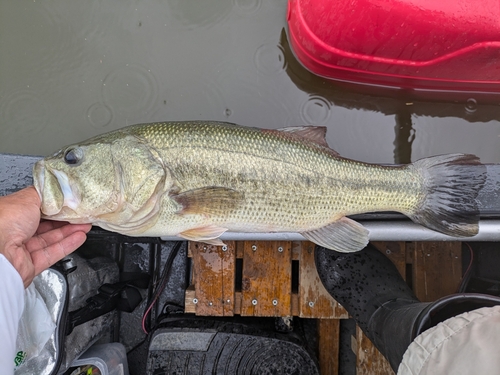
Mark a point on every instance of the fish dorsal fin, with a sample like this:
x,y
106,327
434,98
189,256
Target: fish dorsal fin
x,y
209,200
344,235
315,134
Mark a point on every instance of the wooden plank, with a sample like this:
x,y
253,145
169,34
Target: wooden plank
x,y
296,249
237,303
437,269
295,304
369,361
314,299
267,278
189,299
213,278
396,252
328,346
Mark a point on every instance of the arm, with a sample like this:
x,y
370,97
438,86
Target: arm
x,y
27,247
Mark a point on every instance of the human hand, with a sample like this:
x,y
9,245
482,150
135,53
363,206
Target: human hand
x,y
32,246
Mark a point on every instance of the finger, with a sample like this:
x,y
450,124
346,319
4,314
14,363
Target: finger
x,y
46,257
53,236
47,225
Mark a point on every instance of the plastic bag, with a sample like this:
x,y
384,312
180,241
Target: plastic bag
x,y
35,327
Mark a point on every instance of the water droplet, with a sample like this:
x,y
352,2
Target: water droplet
x,y
130,91
204,14
315,111
248,7
99,115
270,58
25,111
471,106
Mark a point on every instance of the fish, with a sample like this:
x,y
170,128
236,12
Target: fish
x,y
199,179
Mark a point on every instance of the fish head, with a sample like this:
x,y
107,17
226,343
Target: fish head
x,y
110,183
76,183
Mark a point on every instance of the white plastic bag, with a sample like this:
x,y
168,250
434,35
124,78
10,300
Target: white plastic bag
x,y
35,327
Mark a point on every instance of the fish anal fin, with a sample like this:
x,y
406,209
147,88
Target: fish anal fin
x,y
344,235
208,234
211,200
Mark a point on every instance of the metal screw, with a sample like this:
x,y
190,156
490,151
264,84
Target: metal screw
x,y
254,302
195,300
254,247
311,304
275,302
280,249
224,248
228,301
388,251
210,304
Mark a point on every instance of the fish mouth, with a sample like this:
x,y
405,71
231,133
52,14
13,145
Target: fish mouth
x,y
55,190
39,177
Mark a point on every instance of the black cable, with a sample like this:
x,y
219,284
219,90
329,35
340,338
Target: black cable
x,y
161,285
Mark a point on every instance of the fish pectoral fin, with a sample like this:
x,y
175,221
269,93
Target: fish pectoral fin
x,y
211,200
344,235
208,234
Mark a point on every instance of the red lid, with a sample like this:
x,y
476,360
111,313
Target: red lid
x,y
429,44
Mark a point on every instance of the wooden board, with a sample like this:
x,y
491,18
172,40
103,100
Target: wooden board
x,y
328,343
437,269
432,268
266,286
314,299
396,252
213,275
202,276
369,361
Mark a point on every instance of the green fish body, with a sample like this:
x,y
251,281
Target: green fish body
x,y
198,180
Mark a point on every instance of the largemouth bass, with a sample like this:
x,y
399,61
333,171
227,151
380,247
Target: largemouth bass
x,y
198,180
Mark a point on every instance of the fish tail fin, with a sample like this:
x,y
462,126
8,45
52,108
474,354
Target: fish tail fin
x,y
452,183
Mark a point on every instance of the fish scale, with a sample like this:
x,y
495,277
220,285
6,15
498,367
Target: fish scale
x,y
204,178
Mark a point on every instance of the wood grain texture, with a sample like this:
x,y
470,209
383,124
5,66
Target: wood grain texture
x,y
328,343
213,278
437,269
369,360
267,278
314,299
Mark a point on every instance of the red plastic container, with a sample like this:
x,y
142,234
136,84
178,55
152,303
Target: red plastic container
x,y
413,44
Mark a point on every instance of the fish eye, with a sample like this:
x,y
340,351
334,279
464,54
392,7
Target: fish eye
x,y
73,156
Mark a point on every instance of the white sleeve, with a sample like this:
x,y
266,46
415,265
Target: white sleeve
x,y
11,309
464,344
